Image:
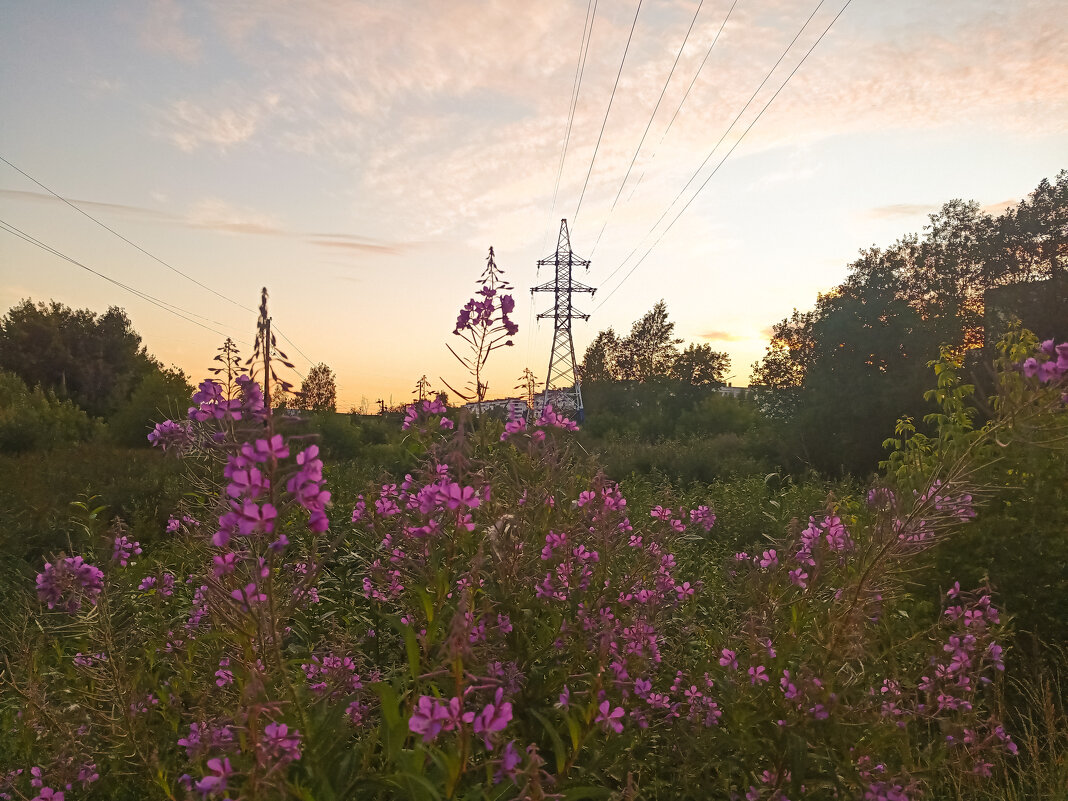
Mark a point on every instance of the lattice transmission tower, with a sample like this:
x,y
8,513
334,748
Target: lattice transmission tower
x,y
563,372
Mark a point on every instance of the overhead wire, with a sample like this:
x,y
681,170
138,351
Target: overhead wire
x,y
612,97
103,225
727,131
686,94
727,155
177,311
576,87
152,256
648,125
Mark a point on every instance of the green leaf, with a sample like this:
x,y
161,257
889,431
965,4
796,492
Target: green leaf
x,y
558,743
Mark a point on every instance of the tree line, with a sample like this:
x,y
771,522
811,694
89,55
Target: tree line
x,y
839,375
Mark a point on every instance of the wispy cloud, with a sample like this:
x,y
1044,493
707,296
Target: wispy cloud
x,y
92,205
895,210
994,209
215,214
163,30
190,125
723,336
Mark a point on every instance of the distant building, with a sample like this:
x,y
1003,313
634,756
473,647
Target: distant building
x,y
733,392
509,407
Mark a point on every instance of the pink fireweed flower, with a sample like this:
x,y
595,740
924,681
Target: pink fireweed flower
x,y
798,577
684,590
757,675
453,496
729,659
171,435
610,718
279,745
769,559
703,516
215,782
224,564
224,676
248,596
565,698
273,448
493,718
509,763
123,548
428,717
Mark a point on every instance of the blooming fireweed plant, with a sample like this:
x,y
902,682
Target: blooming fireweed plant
x,y
501,623
484,325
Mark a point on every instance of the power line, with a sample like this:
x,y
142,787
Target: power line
x,y
580,68
177,311
185,275
725,157
294,344
648,125
622,61
576,87
82,211
686,94
712,152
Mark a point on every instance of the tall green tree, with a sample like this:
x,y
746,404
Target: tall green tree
x,y
318,392
94,360
701,366
599,363
650,349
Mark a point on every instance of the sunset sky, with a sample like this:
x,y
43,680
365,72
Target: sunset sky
x,y
359,158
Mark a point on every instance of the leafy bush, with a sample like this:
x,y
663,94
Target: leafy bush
x,y
35,419
160,395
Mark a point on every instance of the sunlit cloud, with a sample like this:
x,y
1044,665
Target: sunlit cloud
x,y
189,125
723,336
92,205
895,210
163,30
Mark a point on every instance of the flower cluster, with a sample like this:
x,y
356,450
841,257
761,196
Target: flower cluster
x,y
68,581
333,675
174,435
425,408
210,403
479,312
123,548
433,715
1049,364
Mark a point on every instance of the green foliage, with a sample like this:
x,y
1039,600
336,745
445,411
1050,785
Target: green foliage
x,y
701,366
1020,542
650,353
318,391
38,420
163,394
94,360
841,374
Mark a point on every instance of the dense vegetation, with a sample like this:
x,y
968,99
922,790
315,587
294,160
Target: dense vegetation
x,y
689,598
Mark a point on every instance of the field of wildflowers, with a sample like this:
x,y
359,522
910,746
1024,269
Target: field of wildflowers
x,y
503,623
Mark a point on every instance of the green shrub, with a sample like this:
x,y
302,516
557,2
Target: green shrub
x,y
35,419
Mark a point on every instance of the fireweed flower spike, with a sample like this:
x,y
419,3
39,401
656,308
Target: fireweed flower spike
x,y
484,325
